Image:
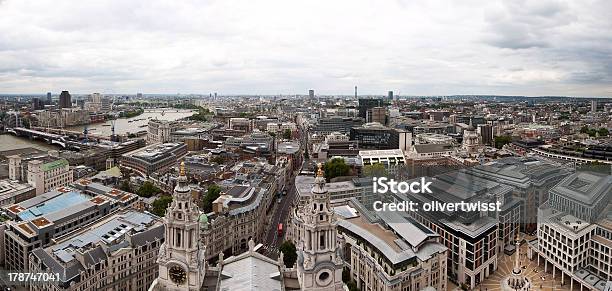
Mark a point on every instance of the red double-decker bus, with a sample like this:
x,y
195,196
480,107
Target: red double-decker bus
x,y
280,229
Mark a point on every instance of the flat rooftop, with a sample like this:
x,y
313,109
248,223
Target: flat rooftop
x,y
585,187
107,231
154,151
50,202
8,187
381,153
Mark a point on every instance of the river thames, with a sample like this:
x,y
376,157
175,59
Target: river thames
x,y
122,126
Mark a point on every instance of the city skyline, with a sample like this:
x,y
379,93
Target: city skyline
x,y
524,48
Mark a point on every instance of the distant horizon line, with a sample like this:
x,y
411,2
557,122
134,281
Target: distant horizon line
x,y
293,95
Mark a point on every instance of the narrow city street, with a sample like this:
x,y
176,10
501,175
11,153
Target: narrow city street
x,y
280,215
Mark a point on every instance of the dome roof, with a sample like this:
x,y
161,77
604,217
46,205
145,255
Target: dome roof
x,y
203,218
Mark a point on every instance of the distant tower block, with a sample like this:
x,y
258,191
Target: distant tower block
x,y
65,100
311,94
390,95
594,106
355,92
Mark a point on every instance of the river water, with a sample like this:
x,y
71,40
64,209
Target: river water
x,y
122,126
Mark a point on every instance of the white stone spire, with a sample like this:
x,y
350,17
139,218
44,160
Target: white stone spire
x,y
319,266
181,257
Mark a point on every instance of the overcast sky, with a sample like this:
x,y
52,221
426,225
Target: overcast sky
x,y
514,47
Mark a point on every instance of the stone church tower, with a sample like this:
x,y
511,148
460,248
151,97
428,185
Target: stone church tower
x,y
181,257
471,140
319,265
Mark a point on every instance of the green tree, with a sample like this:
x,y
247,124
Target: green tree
x,y
160,204
212,193
289,253
147,189
603,131
336,168
584,129
375,170
218,159
125,186
501,141
287,134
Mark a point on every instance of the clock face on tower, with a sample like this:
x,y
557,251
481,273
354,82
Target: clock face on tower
x,y
324,277
177,275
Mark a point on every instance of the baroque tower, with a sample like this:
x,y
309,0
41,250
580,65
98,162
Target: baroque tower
x,y
319,254
181,257
471,140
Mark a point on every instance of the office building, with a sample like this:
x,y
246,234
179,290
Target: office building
x,y
14,192
433,138
311,94
153,158
44,176
432,150
390,159
531,178
467,119
238,214
575,231
330,125
43,171
37,104
365,104
334,145
378,137
280,128
63,118
474,239
240,123
117,253
593,105
485,133
160,131
389,252
584,195
339,192
36,221
49,100
65,100
18,162
390,95
377,114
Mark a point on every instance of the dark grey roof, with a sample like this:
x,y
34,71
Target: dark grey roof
x,y
432,148
585,187
60,258
141,238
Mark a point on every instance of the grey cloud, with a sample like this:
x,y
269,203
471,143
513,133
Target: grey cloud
x,y
521,24
269,47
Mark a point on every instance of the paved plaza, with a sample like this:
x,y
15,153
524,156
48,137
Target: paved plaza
x,y
539,280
